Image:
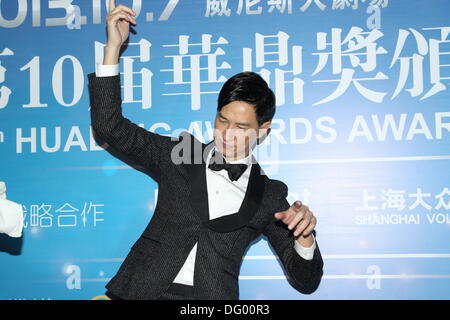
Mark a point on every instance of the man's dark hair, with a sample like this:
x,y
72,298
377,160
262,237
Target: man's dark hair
x,y
249,87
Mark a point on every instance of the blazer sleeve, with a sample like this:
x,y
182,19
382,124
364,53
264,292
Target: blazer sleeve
x,y
140,145
304,275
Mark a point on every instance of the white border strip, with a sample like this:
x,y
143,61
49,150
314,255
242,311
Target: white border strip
x,y
358,276
325,257
352,160
290,162
366,256
330,276
387,256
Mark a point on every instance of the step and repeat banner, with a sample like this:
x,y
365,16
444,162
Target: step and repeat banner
x,y
361,135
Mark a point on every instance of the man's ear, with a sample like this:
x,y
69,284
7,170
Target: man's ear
x,y
263,131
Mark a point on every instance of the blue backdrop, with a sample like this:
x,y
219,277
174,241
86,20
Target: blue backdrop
x,y
361,135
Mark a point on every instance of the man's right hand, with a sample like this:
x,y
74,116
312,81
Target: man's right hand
x,y
118,28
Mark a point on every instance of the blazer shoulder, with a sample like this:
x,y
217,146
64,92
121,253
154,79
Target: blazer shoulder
x,y
187,136
277,187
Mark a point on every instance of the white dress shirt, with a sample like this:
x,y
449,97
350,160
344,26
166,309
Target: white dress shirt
x,y
224,196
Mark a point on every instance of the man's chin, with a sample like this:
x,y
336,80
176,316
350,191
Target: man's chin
x,y
229,154
226,150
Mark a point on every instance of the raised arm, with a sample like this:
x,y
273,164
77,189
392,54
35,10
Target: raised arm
x,y
140,145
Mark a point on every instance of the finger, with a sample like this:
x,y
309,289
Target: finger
x,y
307,224
310,228
292,211
284,216
279,215
297,208
123,8
123,16
298,216
112,5
302,226
297,204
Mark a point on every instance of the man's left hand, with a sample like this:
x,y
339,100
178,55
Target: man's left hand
x,y
298,218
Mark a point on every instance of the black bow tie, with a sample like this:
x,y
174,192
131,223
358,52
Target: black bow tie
x,y
235,170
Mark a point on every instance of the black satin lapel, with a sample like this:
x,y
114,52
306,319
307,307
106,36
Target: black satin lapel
x,y
198,194
197,176
248,208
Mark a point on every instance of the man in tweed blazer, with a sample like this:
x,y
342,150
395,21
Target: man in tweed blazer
x,y
194,244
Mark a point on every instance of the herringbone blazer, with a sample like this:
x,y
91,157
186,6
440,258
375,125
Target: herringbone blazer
x,y
181,216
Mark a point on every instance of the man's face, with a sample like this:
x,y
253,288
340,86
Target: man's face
x,y
236,129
